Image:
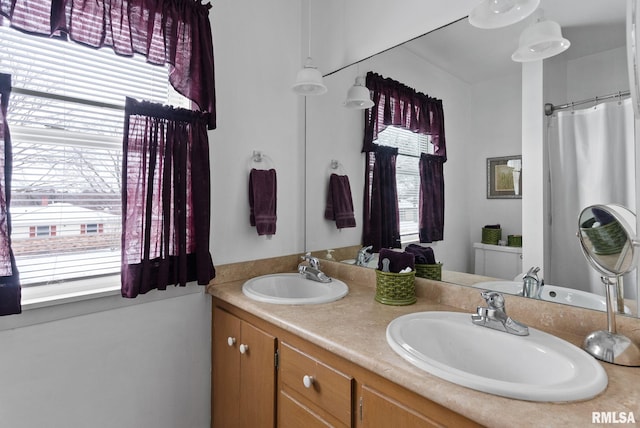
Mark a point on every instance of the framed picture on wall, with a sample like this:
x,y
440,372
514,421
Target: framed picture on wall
x,y
503,177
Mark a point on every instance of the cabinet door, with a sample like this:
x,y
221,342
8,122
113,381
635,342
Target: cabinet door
x,y
243,374
381,411
258,378
225,397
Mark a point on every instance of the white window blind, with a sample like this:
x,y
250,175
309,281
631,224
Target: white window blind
x,y
66,116
410,145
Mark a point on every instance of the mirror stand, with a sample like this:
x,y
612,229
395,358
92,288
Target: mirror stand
x,y
608,345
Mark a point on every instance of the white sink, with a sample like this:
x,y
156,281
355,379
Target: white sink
x,y
373,263
370,264
537,367
552,293
293,289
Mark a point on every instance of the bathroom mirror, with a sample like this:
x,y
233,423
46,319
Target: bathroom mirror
x,y
481,90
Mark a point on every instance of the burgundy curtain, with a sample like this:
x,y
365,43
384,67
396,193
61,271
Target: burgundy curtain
x,y
174,32
10,293
381,227
166,198
399,105
404,107
431,203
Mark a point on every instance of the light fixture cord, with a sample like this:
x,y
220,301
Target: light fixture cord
x,y
309,28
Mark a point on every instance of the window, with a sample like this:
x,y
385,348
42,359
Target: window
x,y
37,231
91,228
410,145
66,121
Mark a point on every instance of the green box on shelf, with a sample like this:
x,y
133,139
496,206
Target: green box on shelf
x,y
491,235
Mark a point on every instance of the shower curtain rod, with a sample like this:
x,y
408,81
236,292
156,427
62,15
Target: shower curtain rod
x,y
549,108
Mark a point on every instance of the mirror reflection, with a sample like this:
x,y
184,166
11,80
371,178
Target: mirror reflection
x,y
471,71
606,236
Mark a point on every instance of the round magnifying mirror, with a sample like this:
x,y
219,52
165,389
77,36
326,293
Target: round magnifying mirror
x,y
607,236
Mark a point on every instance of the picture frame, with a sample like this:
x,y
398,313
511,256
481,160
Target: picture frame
x,y
504,177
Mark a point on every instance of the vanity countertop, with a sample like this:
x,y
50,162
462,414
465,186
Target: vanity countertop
x,y
354,329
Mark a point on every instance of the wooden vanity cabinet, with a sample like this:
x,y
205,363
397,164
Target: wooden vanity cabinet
x,y
311,392
403,410
243,373
248,391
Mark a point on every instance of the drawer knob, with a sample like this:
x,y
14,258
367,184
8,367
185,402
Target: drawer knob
x,y
307,381
231,341
244,348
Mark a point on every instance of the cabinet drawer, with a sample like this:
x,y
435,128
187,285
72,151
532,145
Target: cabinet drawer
x,y
328,390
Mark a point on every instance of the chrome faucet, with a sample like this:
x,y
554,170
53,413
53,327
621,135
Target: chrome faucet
x,y
312,269
531,284
495,316
364,256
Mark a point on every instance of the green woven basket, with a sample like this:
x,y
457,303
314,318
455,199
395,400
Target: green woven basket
x,y
606,239
429,271
491,236
395,288
514,240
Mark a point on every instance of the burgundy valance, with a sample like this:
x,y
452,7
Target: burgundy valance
x,y
173,32
399,105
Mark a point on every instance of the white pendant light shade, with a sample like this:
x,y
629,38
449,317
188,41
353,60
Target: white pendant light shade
x,y
358,96
500,13
309,80
539,41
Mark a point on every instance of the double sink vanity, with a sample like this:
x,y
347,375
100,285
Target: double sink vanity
x,y
297,360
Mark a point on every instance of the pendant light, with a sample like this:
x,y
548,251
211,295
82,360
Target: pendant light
x,y
358,96
309,78
500,13
541,40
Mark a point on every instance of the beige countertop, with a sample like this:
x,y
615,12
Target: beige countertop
x,y
354,329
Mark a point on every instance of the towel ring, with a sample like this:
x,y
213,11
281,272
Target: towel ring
x,y
260,161
336,168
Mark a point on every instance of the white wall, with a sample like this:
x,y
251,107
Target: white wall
x,y
257,47
495,130
145,365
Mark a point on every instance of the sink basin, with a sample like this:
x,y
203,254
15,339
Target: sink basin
x,y
293,289
370,264
552,293
537,367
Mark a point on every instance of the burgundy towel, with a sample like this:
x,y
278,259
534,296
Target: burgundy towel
x,y
397,260
262,200
339,202
424,255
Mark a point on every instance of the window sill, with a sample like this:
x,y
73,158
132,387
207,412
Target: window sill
x,y
44,304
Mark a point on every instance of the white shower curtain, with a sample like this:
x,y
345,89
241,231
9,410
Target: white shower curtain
x,y
591,161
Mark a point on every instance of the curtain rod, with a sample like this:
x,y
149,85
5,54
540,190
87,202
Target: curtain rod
x,y
41,94
549,108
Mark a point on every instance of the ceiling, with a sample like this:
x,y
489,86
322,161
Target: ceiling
x,y
590,25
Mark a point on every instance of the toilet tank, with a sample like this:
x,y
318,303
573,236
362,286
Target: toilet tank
x,y
497,261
